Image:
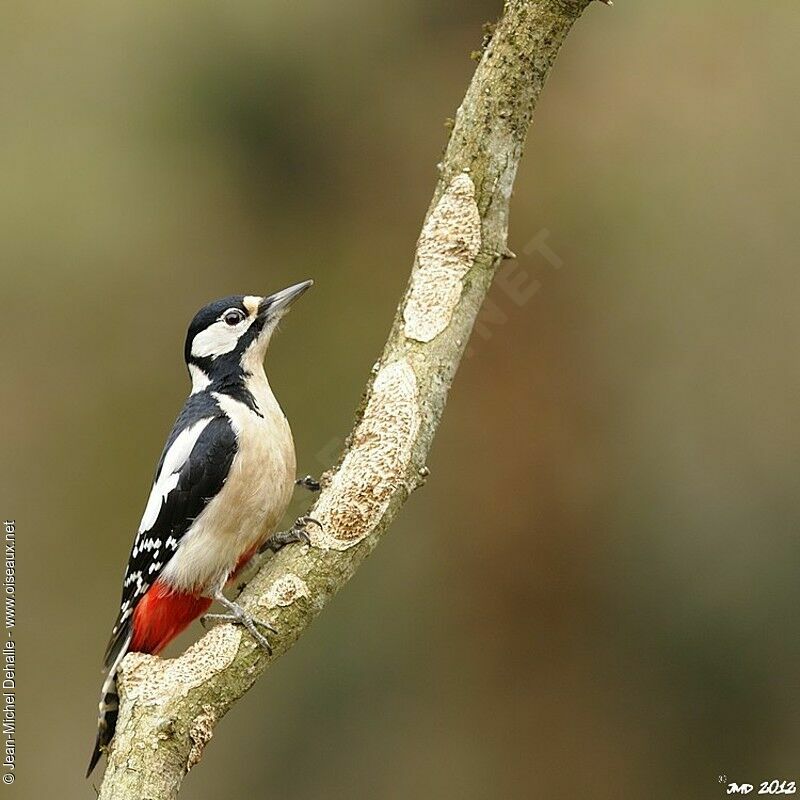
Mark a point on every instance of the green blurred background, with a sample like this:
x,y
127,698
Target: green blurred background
x,y
596,594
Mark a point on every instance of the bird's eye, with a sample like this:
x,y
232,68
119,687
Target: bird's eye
x,y
233,316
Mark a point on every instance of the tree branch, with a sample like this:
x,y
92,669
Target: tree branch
x,y
169,707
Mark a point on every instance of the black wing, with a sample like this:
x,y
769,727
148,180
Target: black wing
x,y
192,470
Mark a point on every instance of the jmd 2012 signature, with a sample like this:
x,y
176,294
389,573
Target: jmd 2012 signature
x,y
765,787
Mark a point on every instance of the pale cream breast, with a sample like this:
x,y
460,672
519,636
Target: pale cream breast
x,y
252,501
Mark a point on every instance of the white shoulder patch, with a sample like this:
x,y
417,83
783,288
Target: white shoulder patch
x,y
167,478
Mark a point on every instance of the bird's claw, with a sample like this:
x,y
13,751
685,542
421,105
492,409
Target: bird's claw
x,y
238,616
307,482
297,533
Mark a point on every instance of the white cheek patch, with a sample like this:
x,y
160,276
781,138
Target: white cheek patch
x,y
219,338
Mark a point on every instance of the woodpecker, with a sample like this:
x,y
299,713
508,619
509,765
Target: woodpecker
x,y
224,480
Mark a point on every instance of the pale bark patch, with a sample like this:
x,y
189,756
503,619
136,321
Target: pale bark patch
x,y
446,250
150,680
376,464
200,732
284,591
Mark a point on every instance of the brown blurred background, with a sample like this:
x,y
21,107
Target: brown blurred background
x,y
596,594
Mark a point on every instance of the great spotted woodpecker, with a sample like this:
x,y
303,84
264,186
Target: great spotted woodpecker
x,y
223,483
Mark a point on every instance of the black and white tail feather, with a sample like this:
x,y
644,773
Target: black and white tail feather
x,y
109,701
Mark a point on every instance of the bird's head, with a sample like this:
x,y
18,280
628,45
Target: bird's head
x,y
232,334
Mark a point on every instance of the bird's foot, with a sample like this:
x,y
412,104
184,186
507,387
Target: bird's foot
x,y
312,484
297,533
238,616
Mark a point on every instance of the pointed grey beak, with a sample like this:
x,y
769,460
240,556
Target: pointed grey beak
x,y
278,303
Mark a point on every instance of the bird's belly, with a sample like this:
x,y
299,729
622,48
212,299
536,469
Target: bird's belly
x,y
246,511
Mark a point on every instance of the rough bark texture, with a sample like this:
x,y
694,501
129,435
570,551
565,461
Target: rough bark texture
x,y
170,707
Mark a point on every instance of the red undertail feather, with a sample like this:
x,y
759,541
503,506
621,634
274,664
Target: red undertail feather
x,y
161,615
243,561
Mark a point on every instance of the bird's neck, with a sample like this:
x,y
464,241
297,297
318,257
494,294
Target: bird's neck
x,y
248,384
200,378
